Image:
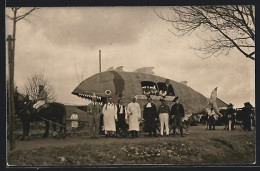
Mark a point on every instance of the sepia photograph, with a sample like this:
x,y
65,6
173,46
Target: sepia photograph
x,y
130,85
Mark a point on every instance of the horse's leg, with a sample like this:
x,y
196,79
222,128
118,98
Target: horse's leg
x,y
54,127
46,134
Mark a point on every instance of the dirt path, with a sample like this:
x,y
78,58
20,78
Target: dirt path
x,y
196,133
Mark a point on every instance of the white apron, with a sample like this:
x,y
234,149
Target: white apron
x,y
110,114
74,124
134,113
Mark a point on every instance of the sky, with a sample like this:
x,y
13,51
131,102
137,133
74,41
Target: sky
x,y
63,42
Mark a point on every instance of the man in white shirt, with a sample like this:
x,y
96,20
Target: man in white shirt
x,y
134,114
110,115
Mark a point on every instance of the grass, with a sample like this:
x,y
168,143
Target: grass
x,y
215,150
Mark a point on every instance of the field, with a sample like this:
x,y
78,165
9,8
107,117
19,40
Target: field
x,y
199,147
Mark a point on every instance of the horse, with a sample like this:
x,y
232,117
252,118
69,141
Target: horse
x,y
55,113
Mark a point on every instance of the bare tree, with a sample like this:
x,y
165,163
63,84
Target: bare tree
x,y
31,87
229,26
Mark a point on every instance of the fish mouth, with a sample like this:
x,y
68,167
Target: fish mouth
x,y
88,95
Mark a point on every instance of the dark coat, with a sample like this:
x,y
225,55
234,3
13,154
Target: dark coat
x,y
169,90
121,123
231,114
174,110
149,115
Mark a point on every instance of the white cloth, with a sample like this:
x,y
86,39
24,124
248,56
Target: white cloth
x,y
74,124
161,93
110,114
149,105
134,113
164,120
38,104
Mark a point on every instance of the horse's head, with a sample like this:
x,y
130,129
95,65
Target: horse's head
x,y
22,103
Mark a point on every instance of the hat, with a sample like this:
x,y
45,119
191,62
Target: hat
x,y
248,104
176,98
41,85
230,105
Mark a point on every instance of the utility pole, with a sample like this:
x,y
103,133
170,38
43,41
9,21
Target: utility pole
x,y
99,61
11,92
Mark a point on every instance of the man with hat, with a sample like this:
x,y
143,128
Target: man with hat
x,y
94,111
247,112
231,117
134,113
163,111
150,116
41,99
177,113
110,115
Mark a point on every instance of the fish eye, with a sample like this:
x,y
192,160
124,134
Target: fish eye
x,y
108,92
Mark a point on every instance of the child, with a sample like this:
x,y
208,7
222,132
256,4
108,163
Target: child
x,y
75,118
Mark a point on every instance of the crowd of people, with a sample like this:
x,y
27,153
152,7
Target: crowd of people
x,y
230,117
116,116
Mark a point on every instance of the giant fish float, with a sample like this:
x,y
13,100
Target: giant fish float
x,y
120,84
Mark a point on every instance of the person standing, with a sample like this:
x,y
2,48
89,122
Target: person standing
x,y
212,119
94,110
74,123
231,117
110,115
177,113
247,112
134,113
121,117
163,111
150,116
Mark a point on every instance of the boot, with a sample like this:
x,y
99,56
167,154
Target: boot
x,y
136,134
154,134
133,134
174,131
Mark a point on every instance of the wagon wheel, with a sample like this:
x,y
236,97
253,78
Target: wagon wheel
x,y
241,125
122,132
80,127
158,127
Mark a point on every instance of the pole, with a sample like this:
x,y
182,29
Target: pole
x,y
99,61
11,92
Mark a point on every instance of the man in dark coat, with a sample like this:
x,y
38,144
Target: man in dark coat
x,y
121,116
246,113
150,116
168,88
177,113
231,117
